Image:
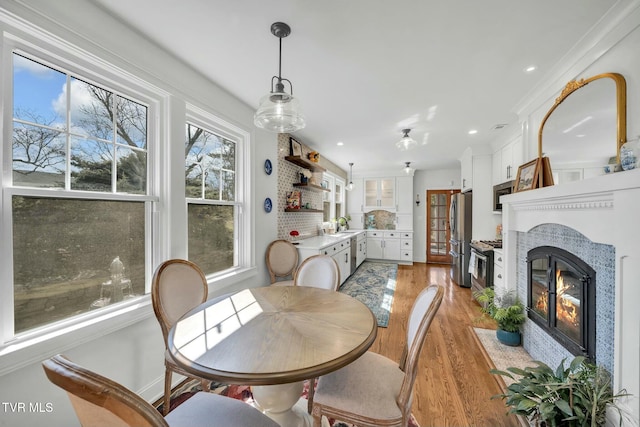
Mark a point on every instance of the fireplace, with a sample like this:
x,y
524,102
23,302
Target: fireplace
x,y
561,298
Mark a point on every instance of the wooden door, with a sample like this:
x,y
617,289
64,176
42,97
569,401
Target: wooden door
x,y
438,232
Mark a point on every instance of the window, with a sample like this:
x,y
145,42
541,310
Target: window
x,y
212,182
78,197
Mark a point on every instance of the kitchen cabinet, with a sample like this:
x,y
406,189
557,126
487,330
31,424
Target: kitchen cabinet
x,y
361,248
343,259
404,194
355,204
506,161
498,270
385,245
466,170
406,246
379,193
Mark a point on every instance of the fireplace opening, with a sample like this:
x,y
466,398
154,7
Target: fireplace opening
x,y
561,298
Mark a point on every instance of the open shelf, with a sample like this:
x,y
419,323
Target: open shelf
x,y
311,187
304,210
297,160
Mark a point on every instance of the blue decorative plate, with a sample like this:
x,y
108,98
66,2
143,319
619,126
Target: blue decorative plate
x,y
267,205
268,167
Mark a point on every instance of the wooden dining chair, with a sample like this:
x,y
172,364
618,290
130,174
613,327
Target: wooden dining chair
x,y
282,260
99,402
318,271
177,286
374,390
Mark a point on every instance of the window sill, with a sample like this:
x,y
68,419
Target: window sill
x,y
33,348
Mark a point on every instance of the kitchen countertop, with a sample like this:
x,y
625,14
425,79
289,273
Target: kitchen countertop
x,y
321,242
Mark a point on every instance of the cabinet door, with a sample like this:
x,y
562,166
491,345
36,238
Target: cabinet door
x,y
371,193
362,252
496,167
344,263
466,169
404,194
392,249
507,163
387,193
374,247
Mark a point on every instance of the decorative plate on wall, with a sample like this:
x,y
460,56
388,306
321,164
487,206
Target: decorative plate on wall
x,y
267,205
268,167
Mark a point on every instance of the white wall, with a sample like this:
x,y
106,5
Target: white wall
x,y
133,355
442,179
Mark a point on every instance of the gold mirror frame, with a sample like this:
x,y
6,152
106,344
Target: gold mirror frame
x,y
621,104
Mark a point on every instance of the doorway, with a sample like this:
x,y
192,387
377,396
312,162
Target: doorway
x,y
438,232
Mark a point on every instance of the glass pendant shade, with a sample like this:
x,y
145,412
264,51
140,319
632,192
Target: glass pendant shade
x,y
279,112
406,143
407,168
349,186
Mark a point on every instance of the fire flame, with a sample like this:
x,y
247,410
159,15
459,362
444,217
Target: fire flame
x,y
567,306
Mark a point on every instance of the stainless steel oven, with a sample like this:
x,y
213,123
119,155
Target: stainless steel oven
x,y
481,266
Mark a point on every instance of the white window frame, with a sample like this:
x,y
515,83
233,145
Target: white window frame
x,y
243,252
18,350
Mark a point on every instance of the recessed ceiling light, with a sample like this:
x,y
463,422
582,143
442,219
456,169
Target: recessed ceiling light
x,y
473,132
340,144
530,68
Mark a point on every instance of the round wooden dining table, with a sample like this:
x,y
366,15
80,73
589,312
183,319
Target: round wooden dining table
x,y
273,338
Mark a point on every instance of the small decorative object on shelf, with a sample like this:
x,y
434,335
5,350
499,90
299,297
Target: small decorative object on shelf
x,y
314,156
293,200
305,174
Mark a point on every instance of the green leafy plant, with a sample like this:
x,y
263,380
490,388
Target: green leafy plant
x,y
507,309
572,397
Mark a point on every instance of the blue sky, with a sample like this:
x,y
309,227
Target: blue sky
x,y
37,88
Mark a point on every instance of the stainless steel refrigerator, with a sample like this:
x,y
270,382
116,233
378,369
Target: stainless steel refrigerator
x,y
460,226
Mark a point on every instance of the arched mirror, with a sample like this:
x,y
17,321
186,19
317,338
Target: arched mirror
x,y
585,127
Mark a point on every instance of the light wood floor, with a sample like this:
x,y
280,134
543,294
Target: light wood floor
x,y
454,386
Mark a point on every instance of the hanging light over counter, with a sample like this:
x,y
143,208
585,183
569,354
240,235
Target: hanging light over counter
x,y
349,186
279,111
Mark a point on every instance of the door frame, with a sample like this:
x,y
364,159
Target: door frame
x,y
438,259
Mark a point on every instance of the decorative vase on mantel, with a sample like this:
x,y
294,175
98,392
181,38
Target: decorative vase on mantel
x,y
629,153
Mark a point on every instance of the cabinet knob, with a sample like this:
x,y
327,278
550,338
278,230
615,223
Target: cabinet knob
x,y
499,276
500,258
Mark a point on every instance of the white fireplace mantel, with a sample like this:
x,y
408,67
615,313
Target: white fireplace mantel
x,y
605,209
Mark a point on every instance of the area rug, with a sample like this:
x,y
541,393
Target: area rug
x,y
374,284
189,388
500,356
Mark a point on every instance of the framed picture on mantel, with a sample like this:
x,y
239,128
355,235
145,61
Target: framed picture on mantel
x,y
295,148
527,178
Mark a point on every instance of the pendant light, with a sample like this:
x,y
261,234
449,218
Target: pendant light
x,y
349,186
407,168
406,143
279,111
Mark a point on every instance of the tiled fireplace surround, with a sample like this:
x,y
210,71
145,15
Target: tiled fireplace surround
x,y
598,220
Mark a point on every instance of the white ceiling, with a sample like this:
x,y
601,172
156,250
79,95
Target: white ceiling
x,y
364,69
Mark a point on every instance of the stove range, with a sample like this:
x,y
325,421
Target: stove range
x,y
486,245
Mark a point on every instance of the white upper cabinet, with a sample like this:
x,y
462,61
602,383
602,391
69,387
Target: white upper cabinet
x,y
355,197
507,160
404,191
379,193
466,170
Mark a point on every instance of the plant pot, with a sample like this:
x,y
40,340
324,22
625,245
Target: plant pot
x,y
508,338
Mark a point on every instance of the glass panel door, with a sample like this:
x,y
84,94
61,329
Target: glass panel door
x,y
438,232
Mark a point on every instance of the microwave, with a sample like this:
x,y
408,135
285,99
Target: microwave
x,y
501,190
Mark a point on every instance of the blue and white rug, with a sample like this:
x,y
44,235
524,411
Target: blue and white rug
x,y
374,284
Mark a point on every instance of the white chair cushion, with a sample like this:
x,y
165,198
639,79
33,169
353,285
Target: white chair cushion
x,y
368,386
212,410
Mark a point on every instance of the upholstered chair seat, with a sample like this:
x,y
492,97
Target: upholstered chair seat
x,y
376,391
99,402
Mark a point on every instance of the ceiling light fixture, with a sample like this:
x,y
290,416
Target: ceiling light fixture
x,y
278,110
407,168
349,186
406,143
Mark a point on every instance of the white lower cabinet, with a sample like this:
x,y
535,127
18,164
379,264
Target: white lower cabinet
x,y
406,246
361,247
386,245
341,253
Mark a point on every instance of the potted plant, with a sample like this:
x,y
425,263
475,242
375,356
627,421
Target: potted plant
x,y
508,312
576,396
